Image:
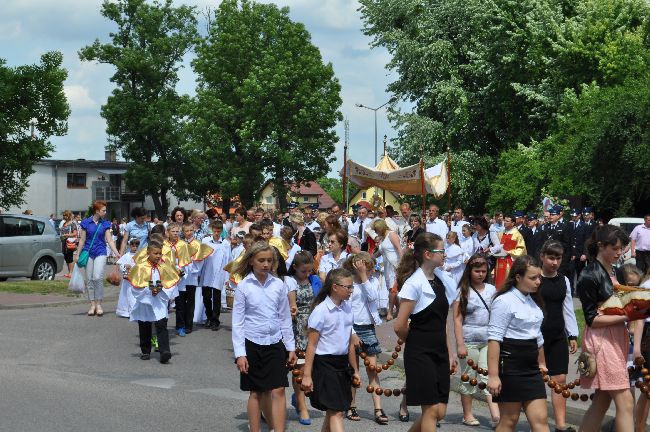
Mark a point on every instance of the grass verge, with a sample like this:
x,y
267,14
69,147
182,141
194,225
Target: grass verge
x,y
59,287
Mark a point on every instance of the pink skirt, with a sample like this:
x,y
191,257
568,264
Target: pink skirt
x,y
610,346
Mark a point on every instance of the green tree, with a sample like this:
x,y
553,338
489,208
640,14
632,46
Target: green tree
x,y
333,187
265,98
143,113
26,92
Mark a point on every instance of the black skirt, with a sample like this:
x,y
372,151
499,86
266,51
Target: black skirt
x,y
267,367
557,356
519,372
332,376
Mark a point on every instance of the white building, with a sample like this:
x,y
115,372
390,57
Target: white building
x,y
59,185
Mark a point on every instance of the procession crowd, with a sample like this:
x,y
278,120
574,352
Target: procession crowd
x,y
308,289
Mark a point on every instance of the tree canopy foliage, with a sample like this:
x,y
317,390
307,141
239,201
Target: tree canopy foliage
x,y
510,80
26,92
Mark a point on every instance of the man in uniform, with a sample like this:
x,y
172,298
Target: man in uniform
x,y
522,227
531,243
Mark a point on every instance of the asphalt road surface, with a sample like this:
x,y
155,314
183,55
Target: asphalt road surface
x,y
63,371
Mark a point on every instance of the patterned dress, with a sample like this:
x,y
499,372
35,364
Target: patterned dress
x,y
304,298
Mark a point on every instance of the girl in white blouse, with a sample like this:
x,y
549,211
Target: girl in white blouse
x,y
454,257
330,361
262,336
516,348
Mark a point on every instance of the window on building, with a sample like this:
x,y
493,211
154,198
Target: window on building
x,y
363,195
305,199
269,200
76,180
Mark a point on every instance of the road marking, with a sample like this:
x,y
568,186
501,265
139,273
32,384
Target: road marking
x,y
223,393
164,383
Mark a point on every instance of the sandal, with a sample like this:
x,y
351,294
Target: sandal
x,y
404,417
381,417
471,422
353,414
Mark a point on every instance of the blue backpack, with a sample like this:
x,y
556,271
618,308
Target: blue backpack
x,y
316,284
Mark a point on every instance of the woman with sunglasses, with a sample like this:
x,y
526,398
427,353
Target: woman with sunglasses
x,y
425,295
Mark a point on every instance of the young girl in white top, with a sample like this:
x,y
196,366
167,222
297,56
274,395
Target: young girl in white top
x,y
338,241
262,336
126,300
364,302
331,357
454,257
471,311
424,299
516,348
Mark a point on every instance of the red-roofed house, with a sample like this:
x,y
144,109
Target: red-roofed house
x,y
305,194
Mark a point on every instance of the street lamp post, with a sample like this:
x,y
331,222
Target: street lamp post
x,y
375,111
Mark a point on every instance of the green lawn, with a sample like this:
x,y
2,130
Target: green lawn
x,y
59,287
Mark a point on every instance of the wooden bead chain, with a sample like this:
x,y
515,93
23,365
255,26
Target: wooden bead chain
x,y
642,383
563,389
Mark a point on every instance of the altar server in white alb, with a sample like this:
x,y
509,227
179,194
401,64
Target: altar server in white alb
x,y
152,284
213,276
126,300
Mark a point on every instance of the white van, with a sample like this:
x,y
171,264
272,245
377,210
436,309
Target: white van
x,y
627,224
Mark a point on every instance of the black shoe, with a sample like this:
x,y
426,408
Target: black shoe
x,y
145,356
208,324
188,330
568,429
215,326
165,356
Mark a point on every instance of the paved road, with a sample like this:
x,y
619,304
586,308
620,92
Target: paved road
x,y
63,371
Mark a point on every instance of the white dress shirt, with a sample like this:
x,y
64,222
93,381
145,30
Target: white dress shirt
x,y
569,314
314,227
364,300
261,314
418,289
334,325
329,263
353,229
212,274
515,316
437,226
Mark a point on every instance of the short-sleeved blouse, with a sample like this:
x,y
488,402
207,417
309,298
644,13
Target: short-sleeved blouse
x,y
99,245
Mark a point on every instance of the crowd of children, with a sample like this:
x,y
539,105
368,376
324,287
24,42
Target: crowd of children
x,y
288,302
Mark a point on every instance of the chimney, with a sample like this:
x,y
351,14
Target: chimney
x,y
110,155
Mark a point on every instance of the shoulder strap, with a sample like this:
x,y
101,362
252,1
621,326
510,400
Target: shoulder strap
x,y
99,224
481,297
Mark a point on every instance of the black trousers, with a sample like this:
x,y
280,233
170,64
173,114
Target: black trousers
x,y
212,303
643,260
185,308
145,331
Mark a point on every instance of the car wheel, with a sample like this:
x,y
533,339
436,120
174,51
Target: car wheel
x,y
44,270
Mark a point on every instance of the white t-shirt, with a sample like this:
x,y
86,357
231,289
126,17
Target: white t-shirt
x,y
477,318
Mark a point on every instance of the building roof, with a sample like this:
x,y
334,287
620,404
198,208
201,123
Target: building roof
x,y
310,188
84,163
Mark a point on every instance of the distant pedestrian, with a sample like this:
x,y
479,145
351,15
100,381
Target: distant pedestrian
x,y
640,244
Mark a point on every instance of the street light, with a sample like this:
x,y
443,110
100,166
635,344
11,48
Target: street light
x,y
375,111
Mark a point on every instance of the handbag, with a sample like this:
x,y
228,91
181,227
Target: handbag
x,y
586,364
84,255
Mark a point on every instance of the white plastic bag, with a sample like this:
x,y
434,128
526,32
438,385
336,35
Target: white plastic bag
x,y
77,283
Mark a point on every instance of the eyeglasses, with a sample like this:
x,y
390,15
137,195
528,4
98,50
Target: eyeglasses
x,y
442,251
348,287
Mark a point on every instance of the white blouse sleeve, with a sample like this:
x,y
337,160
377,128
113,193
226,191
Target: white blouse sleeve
x,y
410,291
500,317
570,321
238,316
316,320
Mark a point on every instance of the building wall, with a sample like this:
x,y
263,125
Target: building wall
x,y
369,193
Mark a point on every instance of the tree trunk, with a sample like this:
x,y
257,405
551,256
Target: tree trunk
x,y
281,188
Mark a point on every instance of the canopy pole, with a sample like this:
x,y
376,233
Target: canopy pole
x,y
345,166
449,179
424,196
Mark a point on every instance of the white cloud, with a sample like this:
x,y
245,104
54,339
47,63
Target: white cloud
x,y
78,97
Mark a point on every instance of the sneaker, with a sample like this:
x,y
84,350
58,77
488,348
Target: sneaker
x,y
154,343
165,356
181,332
145,356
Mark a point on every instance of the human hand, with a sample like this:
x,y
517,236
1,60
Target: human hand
x,y
292,358
573,346
360,268
307,385
583,258
461,350
355,341
494,385
242,364
294,311
543,369
453,364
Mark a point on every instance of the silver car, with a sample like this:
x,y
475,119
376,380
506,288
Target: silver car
x,y
29,247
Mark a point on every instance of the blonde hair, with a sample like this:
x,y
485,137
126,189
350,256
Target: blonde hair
x,y
348,264
244,267
321,218
380,226
298,218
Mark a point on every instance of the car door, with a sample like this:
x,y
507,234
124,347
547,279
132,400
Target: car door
x,y
20,243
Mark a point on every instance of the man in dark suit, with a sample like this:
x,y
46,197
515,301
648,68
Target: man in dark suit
x,y
575,231
533,238
588,226
526,233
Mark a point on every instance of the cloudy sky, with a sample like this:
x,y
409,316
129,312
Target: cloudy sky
x,y
29,28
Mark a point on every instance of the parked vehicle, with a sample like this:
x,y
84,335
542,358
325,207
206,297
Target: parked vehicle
x,y
29,247
627,224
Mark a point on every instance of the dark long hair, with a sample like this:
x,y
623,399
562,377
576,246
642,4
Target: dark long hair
x,y
476,261
333,277
301,258
519,268
607,235
414,258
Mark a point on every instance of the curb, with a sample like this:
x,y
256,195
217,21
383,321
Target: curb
x,y
112,295
574,415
